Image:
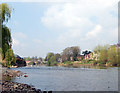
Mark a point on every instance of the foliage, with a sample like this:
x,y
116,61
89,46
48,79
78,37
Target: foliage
x,y
104,54
5,12
57,57
70,52
27,58
6,34
97,49
108,54
49,55
6,41
52,59
113,54
10,57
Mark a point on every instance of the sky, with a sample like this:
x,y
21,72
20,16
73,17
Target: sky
x,y
39,27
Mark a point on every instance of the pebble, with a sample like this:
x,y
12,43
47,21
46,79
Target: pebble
x,y
14,86
9,87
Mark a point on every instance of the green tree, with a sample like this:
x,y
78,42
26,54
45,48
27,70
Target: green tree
x,y
49,55
57,57
5,38
6,34
113,55
27,59
10,57
52,59
104,54
97,49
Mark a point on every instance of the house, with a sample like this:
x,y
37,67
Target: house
x,y
80,57
71,58
94,56
87,57
28,62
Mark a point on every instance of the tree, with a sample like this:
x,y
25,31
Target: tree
x,y
102,51
27,58
113,55
70,52
49,55
57,57
5,38
104,54
97,49
76,52
10,57
6,34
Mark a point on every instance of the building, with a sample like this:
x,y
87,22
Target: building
x,y
94,56
87,57
80,57
28,62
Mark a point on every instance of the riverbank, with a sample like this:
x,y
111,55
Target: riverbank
x,y
78,64
8,86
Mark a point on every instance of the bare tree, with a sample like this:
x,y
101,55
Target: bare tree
x,y
70,52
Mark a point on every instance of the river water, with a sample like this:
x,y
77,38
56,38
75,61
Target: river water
x,y
70,79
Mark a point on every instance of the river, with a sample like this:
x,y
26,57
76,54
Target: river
x,y
70,79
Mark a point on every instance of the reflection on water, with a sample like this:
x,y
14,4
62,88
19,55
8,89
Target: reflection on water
x,y
70,79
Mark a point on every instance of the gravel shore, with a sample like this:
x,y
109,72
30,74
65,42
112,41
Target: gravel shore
x,y
15,87
7,86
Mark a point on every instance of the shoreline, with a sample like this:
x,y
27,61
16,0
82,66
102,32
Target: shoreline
x,y
7,85
78,64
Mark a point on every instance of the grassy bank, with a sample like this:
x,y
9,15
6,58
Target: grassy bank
x,y
86,64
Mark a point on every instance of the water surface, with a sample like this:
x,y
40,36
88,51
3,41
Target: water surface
x,y
70,79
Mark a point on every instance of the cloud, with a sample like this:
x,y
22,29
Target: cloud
x,y
69,36
64,16
94,32
74,19
77,14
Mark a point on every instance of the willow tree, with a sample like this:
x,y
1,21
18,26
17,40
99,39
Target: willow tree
x,y
6,34
5,15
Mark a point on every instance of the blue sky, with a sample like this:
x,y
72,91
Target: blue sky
x,y
41,27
